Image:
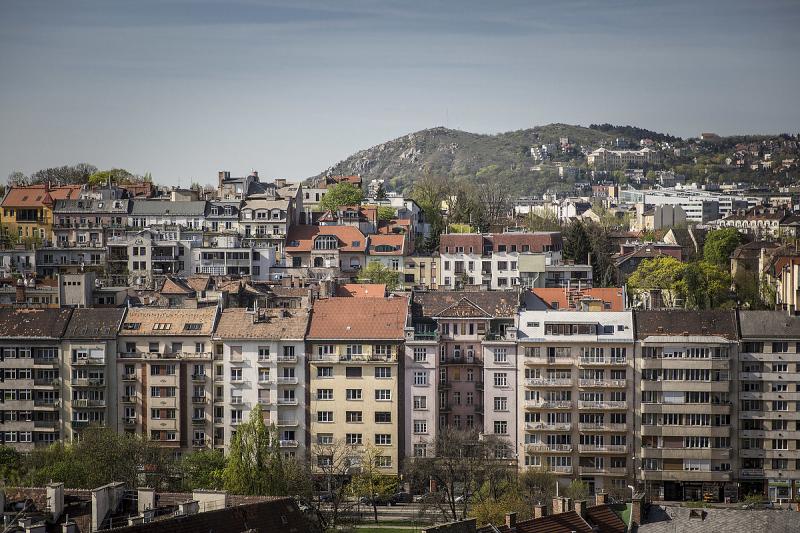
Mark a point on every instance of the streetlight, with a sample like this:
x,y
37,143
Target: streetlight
x,y
633,491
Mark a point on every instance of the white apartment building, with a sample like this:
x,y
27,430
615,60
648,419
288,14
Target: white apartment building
x,y
262,363
575,390
421,407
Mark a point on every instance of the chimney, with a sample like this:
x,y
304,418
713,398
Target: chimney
x,y
580,508
511,520
558,505
20,291
540,510
637,508
601,498
55,500
146,499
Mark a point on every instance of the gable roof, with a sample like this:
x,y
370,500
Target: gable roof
x,y
396,244
359,319
497,304
301,238
38,195
606,520
33,323
94,323
199,283
556,523
176,286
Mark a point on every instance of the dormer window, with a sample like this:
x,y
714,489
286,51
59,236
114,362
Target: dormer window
x,y
214,211
131,326
192,326
356,244
161,326
228,210
326,242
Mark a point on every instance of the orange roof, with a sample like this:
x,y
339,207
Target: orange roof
x,y
361,290
359,319
301,238
389,244
564,299
39,195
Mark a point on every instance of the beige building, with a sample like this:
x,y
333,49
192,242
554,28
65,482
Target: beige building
x,y
164,367
686,393
355,347
575,390
420,272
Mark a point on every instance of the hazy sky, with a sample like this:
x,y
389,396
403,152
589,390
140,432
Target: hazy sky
x,y
183,88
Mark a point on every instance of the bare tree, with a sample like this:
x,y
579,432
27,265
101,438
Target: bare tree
x,y
333,465
370,480
495,204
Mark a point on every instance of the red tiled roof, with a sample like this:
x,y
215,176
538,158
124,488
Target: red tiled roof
x,y
396,242
361,290
359,319
606,520
556,523
38,195
301,238
563,298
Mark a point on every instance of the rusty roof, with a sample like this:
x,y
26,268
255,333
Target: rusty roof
x,y
33,323
359,319
271,324
495,304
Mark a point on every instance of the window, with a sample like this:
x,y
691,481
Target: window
x,y
325,416
383,439
325,371
353,372
354,394
420,355
421,450
500,355
500,379
383,417
501,403
420,402
500,427
354,417
263,353
383,395
420,426
324,394
383,461
192,326
353,439
354,349
382,372
420,378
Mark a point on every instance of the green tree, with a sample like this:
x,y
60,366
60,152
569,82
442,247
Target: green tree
x,y
370,481
386,213
538,485
660,273
203,470
255,463
377,272
114,176
577,490
577,245
704,285
720,244
11,466
429,192
341,194
546,222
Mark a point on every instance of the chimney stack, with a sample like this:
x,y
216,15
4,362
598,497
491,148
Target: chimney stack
x,y
540,510
511,520
20,298
637,508
601,498
580,508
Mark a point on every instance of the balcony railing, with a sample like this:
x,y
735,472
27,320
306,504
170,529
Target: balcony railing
x,y
548,382
199,399
752,472
129,421
544,426
614,448
287,358
87,382
287,380
602,427
199,378
287,401
264,401
288,443
601,383
548,404
593,404
88,403
90,361
287,422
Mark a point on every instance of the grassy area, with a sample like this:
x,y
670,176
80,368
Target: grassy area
x,y
626,515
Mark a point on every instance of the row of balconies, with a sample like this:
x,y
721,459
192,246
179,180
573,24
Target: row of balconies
x,y
685,453
569,382
165,355
567,426
685,475
540,447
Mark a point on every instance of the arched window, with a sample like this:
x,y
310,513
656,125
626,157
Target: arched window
x,y
326,242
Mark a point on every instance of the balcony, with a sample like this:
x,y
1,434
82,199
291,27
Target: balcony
x,y
89,361
45,361
544,426
264,401
264,360
552,404
88,382
548,382
199,443
325,357
287,422
236,400
561,360
685,475
128,399
560,469
426,336
601,383
129,377
129,421
45,424
750,473
603,427
80,424
46,402
287,380
46,382
583,404
288,443
548,448
265,381
199,399
84,403
287,359
199,378
602,448
287,401
612,471
198,421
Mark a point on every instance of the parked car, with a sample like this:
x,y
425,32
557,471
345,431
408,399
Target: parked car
x,y
325,496
401,497
429,497
376,499
464,498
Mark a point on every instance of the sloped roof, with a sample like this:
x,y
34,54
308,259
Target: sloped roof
x,y
361,290
395,242
199,282
273,324
164,208
498,304
359,319
176,286
569,522
606,520
94,323
769,325
150,318
564,299
33,323
712,322
301,238
38,195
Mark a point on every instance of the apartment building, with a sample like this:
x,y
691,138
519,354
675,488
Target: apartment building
x,y
491,261
89,368
341,248
686,396
420,272
27,212
260,359
355,347
30,388
575,390
164,365
609,159
768,418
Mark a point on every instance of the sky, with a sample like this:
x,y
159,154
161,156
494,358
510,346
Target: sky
x,y
183,89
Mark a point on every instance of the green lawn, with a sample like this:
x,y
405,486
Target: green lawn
x,y
626,514
370,529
